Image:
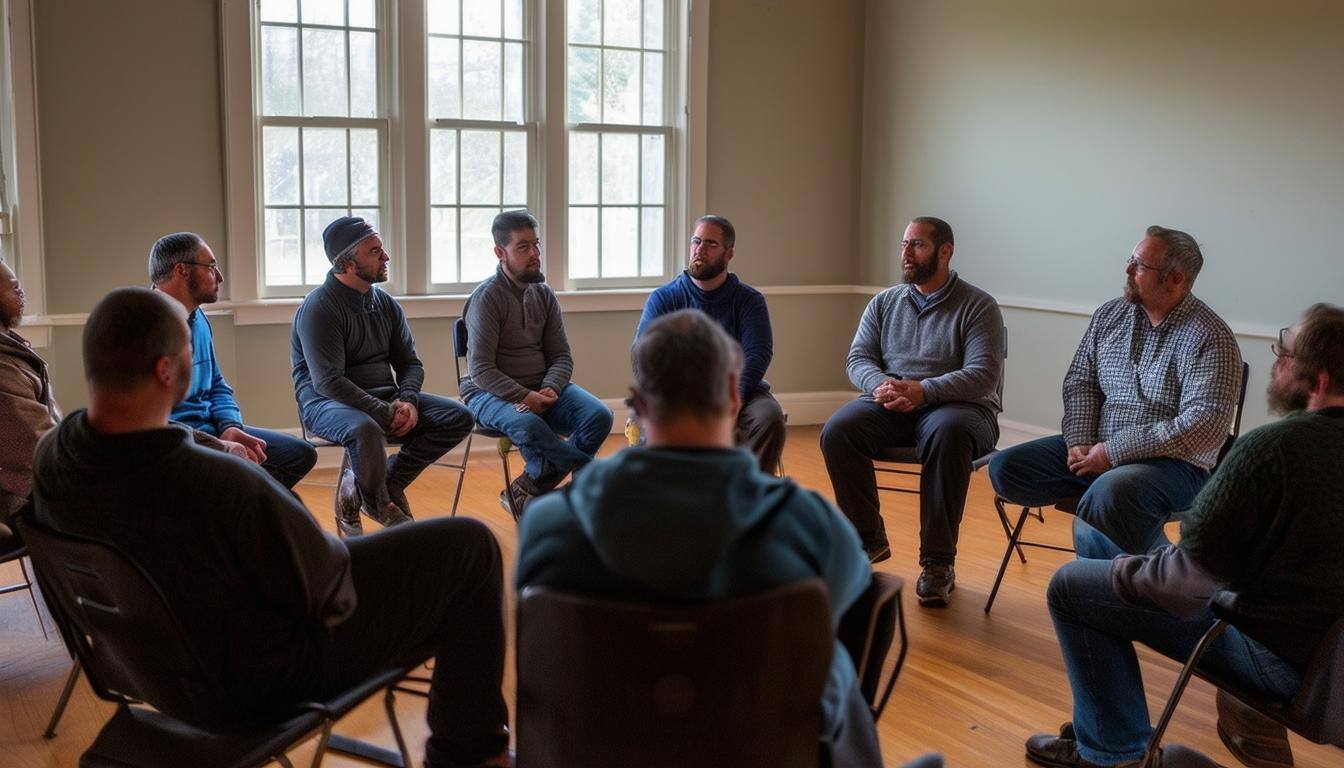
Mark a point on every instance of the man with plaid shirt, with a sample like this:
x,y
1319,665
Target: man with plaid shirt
x,y
1148,401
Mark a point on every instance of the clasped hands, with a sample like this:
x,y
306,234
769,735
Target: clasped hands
x,y
404,418
901,395
244,446
538,402
1088,459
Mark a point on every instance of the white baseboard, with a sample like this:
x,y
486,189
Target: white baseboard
x,y
803,408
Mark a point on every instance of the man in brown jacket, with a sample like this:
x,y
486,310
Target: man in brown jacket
x,y
27,408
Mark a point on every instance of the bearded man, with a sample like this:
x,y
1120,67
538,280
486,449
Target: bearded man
x,y
1148,403
357,379
928,358
519,367
707,285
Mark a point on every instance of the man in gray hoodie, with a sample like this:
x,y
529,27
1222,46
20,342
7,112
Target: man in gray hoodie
x,y
518,367
928,358
690,518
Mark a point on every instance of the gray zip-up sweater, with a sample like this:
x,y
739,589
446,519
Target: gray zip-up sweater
x,y
954,345
515,340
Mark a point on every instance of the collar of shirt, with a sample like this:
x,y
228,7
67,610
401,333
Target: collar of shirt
x,y
360,302
922,302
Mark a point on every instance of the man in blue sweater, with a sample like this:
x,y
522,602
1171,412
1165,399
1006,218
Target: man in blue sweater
x,y
183,266
707,285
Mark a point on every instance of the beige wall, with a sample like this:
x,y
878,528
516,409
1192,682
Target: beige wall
x,y
129,103
1051,132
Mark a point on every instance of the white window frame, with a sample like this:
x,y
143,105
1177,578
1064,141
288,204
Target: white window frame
x,y
405,186
21,215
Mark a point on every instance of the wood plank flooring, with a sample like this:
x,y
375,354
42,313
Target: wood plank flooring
x,y
974,686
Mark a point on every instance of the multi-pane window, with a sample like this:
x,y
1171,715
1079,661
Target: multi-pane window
x,y
619,138
477,58
322,135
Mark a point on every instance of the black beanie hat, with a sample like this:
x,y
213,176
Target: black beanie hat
x,y
342,235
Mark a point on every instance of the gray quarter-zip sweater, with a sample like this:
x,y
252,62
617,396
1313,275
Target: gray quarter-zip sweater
x,y
515,340
954,345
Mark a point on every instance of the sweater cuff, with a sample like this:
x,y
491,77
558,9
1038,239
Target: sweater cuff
x,y
223,424
871,381
411,396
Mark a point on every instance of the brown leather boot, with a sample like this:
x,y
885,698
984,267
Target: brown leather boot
x,y
1251,737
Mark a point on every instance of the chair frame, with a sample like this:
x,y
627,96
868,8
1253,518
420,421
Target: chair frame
x,y
1013,531
1322,669
81,646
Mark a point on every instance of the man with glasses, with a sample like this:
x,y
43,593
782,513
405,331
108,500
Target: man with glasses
x,y
1267,525
1148,402
183,266
519,367
708,286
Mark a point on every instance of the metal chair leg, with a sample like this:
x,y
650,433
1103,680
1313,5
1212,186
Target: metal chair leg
x,y
389,704
1152,754
322,741
1007,554
56,714
31,596
461,474
999,501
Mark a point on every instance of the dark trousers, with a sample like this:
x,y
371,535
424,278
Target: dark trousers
x,y
760,428
434,585
948,438
288,458
1121,510
443,423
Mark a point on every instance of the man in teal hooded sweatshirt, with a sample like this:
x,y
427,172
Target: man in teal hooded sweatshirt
x,y
690,518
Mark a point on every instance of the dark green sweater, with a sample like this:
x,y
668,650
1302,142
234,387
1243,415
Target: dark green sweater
x,y
1270,523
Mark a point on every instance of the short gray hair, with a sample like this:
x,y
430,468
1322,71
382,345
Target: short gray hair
x,y
725,226
682,363
1180,252
343,262
171,250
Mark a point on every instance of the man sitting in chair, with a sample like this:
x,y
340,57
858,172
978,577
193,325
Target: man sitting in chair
x,y
27,407
928,358
691,518
1148,401
1267,525
282,612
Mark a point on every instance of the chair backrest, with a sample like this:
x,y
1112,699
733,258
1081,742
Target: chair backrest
x,y
737,682
867,630
1236,418
119,625
1316,711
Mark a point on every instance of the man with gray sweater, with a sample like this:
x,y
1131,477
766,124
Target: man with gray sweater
x,y
928,357
518,367
357,379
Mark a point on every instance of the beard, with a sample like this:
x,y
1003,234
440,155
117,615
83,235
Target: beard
x,y
197,294
1131,291
706,270
377,274
1287,397
920,272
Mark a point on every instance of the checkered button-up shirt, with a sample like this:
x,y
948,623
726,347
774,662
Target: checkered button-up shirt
x,y
1147,391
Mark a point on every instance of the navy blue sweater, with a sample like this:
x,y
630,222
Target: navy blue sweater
x,y
738,307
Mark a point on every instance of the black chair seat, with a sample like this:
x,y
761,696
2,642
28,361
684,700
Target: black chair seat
x,y
487,432
1068,505
143,736
901,454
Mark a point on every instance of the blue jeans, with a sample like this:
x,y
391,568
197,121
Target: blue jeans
x,y
443,423
288,458
1097,631
1119,511
548,456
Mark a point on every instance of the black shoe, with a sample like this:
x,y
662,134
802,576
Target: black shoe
x,y
935,585
348,502
389,516
1048,749
515,498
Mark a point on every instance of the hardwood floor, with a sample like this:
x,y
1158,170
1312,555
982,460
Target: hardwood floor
x,y
974,686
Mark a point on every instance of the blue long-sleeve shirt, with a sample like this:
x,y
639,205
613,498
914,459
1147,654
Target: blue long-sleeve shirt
x,y
738,307
209,405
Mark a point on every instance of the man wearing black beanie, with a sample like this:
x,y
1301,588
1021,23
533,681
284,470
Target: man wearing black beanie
x,y
357,379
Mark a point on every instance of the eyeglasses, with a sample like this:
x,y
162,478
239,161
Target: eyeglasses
x,y
1134,262
1280,347
213,265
